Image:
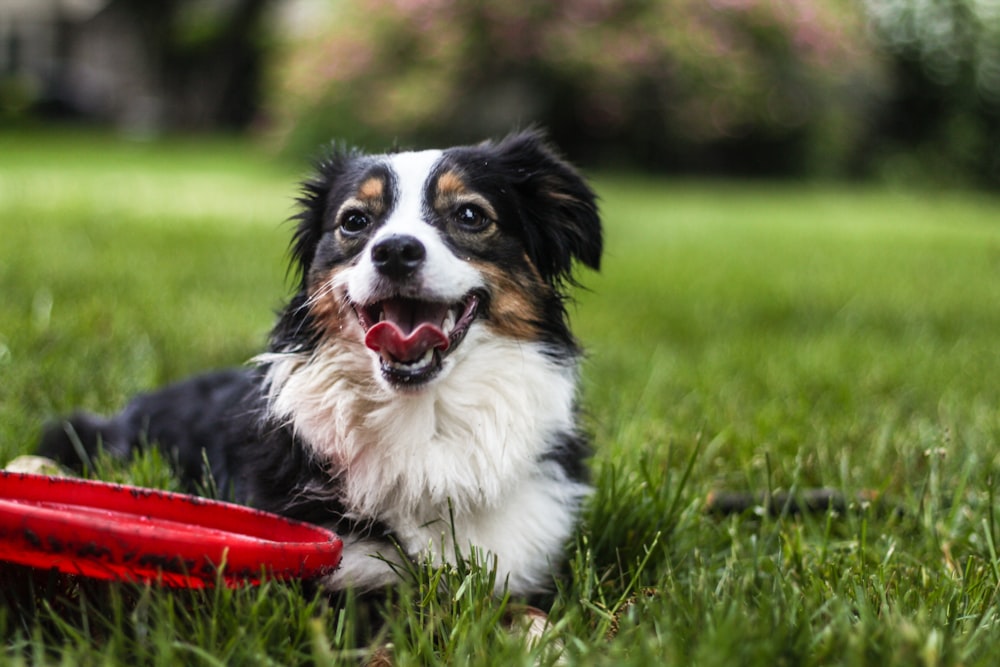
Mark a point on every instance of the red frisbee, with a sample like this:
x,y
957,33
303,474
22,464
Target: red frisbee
x,y
111,531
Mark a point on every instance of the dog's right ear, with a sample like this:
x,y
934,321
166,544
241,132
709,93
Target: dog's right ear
x,y
313,201
562,223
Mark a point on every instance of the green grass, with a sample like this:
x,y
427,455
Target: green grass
x,y
749,337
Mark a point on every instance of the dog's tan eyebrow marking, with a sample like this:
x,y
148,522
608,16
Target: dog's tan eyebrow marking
x,y
372,188
452,191
369,197
450,184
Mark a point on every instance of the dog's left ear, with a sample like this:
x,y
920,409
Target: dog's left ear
x,y
559,210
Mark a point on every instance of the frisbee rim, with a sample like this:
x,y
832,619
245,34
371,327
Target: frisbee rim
x,y
136,533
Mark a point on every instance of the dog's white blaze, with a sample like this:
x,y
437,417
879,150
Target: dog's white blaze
x,y
411,171
472,439
443,277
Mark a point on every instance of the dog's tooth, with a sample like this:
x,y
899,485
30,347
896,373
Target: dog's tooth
x,y
425,360
449,323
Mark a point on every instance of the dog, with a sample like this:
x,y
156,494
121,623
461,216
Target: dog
x,y
418,394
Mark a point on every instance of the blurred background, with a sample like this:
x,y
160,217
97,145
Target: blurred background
x,y
897,90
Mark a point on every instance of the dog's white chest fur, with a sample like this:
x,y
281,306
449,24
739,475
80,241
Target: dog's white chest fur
x,y
468,449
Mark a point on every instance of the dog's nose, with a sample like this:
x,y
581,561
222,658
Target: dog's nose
x,y
398,256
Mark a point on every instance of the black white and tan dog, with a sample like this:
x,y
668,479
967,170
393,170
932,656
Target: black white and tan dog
x,y
420,387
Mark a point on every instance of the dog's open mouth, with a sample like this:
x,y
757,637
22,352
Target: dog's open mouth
x,y
412,336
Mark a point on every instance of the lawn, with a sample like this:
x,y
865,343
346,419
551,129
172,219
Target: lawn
x,y
747,337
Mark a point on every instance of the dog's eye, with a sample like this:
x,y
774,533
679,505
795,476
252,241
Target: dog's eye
x,y
353,222
471,218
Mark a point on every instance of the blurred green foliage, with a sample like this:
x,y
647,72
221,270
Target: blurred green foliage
x,y
943,112
755,87
687,84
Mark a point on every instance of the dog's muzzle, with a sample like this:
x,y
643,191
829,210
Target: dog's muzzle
x,y
412,336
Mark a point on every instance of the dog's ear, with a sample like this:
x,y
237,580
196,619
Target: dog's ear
x,y
559,210
313,200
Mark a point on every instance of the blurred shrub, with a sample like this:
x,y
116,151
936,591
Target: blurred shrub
x,y
942,118
737,86
904,89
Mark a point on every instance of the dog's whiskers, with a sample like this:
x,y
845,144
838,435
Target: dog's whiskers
x,y
326,290
314,298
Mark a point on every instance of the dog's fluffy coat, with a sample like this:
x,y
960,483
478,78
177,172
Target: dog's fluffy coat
x,y
420,385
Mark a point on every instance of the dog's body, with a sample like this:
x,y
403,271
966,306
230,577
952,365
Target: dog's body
x,y
420,386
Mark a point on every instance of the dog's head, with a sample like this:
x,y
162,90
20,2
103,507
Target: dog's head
x,y
407,252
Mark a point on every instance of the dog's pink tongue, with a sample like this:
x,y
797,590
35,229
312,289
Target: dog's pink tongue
x,y
387,337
